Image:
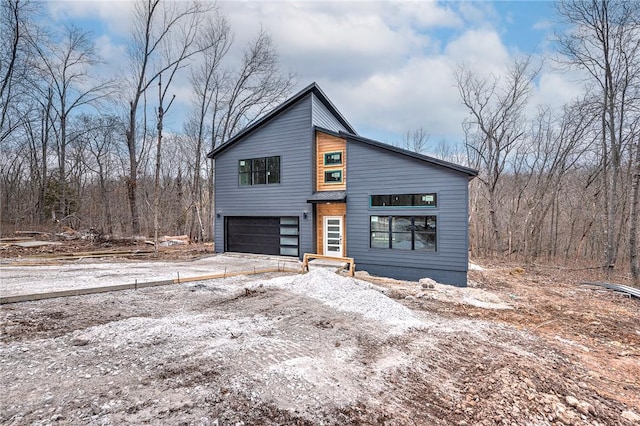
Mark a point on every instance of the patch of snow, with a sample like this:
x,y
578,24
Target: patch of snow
x,y
475,267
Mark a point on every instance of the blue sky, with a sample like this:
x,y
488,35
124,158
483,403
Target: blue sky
x,y
387,66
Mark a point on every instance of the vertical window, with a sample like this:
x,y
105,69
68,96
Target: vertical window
x,y
245,172
259,171
424,233
273,170
289,231
401,233
404,232
380,232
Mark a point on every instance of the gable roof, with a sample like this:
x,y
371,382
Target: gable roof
x,y
312,88
453,166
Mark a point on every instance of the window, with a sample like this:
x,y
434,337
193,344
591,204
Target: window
x,y
289,230
333,158
404,200
259,171
333,176
403,232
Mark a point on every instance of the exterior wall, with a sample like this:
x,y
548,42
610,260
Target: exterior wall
x,y
329,209
376,171
321,117
324,144
290,136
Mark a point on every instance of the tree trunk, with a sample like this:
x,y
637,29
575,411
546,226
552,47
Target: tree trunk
x,y
132,179
495,227
156,187
634,265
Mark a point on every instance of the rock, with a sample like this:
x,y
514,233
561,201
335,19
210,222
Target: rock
x,y
572,401
566,417
79,341
585,408
631,416
562,414
427,283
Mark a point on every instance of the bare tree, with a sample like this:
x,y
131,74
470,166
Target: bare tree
x,y
206,79
554,147
99,136
416,140
604,41
495,126
65,66
19,33
254,87
634,262
165,36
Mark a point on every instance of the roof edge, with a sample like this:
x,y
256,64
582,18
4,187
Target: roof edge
x,y
447,164
312,88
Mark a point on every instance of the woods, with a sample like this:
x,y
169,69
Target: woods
x,y
83,149
564,184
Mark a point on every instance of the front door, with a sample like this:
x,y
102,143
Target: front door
x,y
333,232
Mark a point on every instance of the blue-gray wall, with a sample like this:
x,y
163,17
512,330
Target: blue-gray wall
x,y
290,136
372,171
322,117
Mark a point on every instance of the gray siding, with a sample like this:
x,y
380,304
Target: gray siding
x,y
375,171
290,136
323,118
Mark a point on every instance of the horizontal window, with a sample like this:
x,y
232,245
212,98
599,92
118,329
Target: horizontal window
x,y
403,232
333,176
332,158
404,200
259,171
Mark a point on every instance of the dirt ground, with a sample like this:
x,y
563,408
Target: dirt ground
x,y
516,347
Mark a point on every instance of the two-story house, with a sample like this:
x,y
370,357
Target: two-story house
x,y
300,180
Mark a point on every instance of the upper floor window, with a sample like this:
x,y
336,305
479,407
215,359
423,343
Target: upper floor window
x,y
404,200
333,158
333,176
259,171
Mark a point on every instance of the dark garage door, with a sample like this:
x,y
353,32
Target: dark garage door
x,y
262,235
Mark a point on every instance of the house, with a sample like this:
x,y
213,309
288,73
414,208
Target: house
x,y
301,180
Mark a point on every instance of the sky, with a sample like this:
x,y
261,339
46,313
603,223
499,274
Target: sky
x,y
387,66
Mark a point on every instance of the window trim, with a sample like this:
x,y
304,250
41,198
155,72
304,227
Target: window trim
x,y
250,173
435,198
332,153
390,232
335,182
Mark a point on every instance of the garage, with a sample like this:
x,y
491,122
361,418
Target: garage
x,y
262,235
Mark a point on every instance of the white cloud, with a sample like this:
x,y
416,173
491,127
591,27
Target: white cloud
x,y
482,49
556,88
388,66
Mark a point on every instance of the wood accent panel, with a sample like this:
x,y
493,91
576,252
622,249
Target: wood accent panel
x,y
330,209
327,143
